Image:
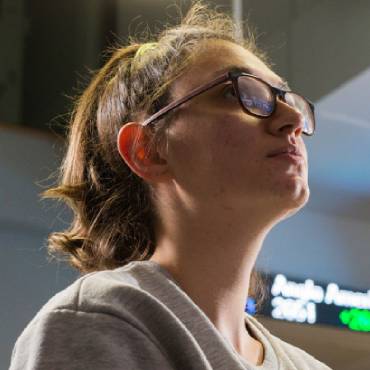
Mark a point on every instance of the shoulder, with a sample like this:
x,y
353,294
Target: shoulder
x,y
64,338
106,292
126,293
99,313
287,352
299,356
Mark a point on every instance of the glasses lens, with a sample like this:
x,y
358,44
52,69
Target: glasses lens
x,y
256,96
298,102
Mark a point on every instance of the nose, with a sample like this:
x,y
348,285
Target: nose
x,y
286,120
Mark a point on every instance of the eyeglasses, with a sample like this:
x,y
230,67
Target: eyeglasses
x,y
256,97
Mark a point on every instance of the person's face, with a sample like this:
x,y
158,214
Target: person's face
x,y
218,153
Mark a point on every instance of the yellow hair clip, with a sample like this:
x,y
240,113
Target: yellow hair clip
x,y
145,47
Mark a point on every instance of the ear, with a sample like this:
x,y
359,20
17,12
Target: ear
x,y
133,146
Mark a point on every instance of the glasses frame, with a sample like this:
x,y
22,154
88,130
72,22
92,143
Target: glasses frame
x,y
233,76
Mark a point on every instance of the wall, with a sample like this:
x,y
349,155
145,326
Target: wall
x,y
319,245
27,278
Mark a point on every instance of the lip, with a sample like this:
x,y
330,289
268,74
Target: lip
x,y
292,158
289,153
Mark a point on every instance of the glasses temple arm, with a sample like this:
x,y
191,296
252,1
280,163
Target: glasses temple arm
x,y
192,94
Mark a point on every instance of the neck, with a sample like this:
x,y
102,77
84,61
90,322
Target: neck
x,y
211,254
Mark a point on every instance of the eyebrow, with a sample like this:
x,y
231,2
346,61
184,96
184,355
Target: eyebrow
x,y
283,84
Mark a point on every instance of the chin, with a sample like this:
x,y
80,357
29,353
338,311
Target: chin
x,y
297,200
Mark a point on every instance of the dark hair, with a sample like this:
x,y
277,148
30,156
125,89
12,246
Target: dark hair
x,y
113,210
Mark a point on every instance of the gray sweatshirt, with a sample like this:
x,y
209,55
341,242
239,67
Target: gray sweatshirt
x,y
136,317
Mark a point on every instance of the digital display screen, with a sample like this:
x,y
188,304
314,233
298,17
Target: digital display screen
x,y
310,302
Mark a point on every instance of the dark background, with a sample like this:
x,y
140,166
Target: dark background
x,y
50,47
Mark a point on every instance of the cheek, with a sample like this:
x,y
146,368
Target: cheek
x,y
210,156
186,150
234,146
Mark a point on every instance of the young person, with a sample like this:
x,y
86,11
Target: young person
x,y
183,154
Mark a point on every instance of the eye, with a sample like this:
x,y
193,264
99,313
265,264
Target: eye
x,y
228,91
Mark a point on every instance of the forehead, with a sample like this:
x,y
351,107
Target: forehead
x,y
217,56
